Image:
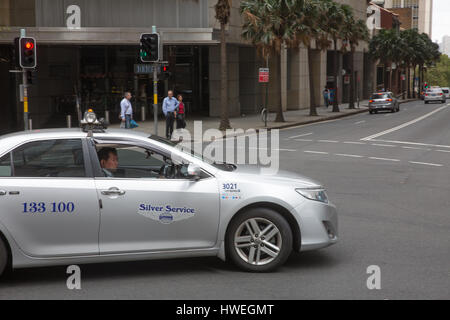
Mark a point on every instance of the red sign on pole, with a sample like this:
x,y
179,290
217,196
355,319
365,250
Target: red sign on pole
x,y
263,75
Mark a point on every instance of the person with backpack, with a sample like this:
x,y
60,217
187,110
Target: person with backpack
x,y
126,111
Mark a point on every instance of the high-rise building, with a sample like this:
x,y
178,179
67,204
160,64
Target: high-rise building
x,y
421,13
445,46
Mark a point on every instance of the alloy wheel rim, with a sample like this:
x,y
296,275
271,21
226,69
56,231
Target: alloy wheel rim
x,y
257,241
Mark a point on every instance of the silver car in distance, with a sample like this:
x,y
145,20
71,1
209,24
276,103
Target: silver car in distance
x,y
61,204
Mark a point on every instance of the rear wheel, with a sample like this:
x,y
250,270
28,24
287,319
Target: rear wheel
x,y
259,240
426,102
3,257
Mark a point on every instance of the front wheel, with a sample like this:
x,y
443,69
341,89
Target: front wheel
x,y
3,257
259,240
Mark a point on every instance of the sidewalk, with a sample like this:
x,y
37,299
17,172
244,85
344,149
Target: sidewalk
x,y
292,118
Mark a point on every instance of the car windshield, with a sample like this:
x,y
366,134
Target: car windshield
x,y
219,165
380,96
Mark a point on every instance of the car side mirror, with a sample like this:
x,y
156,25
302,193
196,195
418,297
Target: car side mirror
x,y
194,171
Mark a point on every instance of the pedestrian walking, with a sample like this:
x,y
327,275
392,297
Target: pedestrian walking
x,y
332,95
170,105
181,122
326,97
126,111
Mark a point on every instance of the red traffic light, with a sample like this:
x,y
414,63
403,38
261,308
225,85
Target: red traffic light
x,y
165,68
29,45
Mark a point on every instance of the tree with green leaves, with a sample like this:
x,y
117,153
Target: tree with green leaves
x,y
332,23
223,13
353,31
271,25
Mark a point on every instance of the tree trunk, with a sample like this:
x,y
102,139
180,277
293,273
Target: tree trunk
x,y
351,103
336,68
224,120
312,102
420,79
280,116
414,82
408,83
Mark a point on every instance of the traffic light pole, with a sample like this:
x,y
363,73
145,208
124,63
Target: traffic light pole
x,y
155,97
25,99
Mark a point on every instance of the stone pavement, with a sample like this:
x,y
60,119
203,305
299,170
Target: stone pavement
x,y
292,118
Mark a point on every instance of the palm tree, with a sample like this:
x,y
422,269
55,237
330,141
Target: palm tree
x,y
353,31
387,47
332,23
223,12
310,29
270,25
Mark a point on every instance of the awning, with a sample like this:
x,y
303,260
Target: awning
x,y
112,36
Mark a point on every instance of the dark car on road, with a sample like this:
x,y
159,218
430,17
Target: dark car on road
x,y
383,101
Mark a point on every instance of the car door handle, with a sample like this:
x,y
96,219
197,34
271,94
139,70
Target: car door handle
x,y
113,191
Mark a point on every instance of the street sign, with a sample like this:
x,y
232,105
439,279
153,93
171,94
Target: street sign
x,y
144,69
263,75
347,79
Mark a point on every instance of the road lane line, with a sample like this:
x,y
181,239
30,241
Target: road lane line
x,y
416,148
329,141
316,152
447,151
414,143
427,164
402,125
384,159
301,135
382,145
303,140
359,122
348,155
353,142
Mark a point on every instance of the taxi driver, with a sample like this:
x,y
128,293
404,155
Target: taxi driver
x,y
108,160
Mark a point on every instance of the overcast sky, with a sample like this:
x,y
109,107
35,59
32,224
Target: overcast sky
x,y
441,19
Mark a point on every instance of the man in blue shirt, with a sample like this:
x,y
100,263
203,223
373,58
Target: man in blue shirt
x,y
126,110
169,108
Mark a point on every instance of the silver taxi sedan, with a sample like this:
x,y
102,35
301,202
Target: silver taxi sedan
x,y
71,197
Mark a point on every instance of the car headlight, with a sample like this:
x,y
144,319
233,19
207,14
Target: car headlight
x,y
90,117
316,194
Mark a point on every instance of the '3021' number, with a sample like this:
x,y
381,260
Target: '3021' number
x,y
41,207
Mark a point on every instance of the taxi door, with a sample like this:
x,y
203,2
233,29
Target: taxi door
x,y
48,200
143,211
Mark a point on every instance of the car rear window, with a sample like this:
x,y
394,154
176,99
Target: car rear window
x,y
445,90
380,96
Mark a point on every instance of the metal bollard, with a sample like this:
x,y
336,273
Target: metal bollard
x,y
107,116
30,124
69,121
143,113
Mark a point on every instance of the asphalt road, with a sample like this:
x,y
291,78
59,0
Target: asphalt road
x,y
389,176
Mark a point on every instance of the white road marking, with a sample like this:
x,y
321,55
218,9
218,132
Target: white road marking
x,y
316,152
427,164
353,142
348,155
402,125
329,141
360,122
303,140
382,145
384,159
301,135
257,148
414,143
447,151
416,148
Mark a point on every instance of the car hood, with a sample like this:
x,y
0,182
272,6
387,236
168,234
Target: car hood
x,y
280,177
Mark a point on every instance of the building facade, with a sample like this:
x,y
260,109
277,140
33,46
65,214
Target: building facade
x,y
445,46
419,16
88,48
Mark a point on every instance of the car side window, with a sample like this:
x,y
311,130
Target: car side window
x,y
137,162
5,165
50,158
